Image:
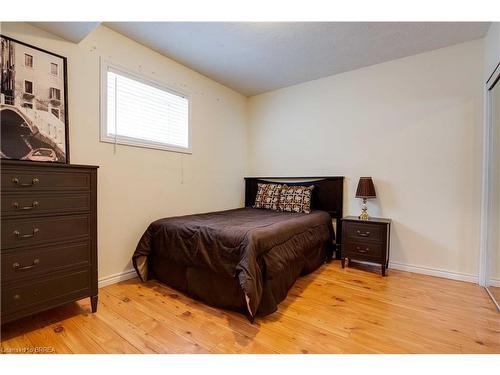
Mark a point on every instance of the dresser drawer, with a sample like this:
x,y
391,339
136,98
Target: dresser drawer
x,y
363,249
28,204
43,180
28,262
23,232
364,231
43,291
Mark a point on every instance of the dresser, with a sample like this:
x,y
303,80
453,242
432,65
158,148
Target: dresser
x,y
48,236
366,240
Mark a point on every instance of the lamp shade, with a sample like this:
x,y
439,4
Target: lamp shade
x,y
365,188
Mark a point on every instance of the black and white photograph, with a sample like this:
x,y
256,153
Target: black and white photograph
x,y
33,103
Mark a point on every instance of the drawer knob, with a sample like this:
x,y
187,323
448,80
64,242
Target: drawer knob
x,y
360,250
363,234
17,297
18,207
17,182
17,267
29,235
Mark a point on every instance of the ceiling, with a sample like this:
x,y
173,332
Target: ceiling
x,y
255,57
72,31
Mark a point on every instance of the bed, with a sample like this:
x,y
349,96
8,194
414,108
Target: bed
x,y
244,259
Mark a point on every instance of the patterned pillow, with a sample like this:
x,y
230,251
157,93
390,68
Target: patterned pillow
x,y
267,196
295,198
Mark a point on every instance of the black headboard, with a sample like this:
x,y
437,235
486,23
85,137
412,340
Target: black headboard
x,y
327,195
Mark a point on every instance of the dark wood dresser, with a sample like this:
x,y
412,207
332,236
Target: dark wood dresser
x,y
49,236
366,240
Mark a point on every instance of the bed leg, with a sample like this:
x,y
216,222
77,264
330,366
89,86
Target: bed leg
x,y
250,318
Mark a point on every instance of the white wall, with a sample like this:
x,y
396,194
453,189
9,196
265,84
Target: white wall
x,y
139,185
414,124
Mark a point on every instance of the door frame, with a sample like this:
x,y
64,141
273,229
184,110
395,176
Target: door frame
x,y
486,179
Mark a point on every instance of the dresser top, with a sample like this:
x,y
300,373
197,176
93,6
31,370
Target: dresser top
x,y
370,220
26,164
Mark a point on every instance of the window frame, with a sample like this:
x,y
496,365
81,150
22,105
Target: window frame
x,y
32,87
54,90
142,78
56,74
32,66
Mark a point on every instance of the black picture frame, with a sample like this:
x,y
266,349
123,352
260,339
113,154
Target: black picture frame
x,y
63,156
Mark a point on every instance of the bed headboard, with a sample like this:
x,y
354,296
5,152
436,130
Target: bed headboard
x,y
327,195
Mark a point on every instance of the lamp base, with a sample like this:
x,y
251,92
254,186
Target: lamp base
x,y
364,211
364,216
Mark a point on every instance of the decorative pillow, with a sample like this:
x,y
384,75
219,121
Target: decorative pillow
x,y
267,196
295,198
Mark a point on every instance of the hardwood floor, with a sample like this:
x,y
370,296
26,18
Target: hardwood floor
x,y
330,311
495,291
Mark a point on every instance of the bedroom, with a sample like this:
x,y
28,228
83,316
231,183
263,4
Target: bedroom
x,y
404,103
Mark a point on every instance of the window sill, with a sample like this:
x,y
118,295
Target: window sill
x,y
145,144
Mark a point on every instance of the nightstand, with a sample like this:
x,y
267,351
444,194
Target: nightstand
x,y
366,240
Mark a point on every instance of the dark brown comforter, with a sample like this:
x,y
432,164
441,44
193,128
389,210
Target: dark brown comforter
x,y
242,243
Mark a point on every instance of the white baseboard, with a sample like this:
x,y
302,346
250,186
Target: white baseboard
x,y
434,272
129,274
117,277
495,282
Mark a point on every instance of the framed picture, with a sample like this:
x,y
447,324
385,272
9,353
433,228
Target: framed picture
x,y
33,106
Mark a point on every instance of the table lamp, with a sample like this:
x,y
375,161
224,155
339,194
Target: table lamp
x,y
365,190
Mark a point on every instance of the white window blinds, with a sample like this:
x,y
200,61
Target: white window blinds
x,y
144,114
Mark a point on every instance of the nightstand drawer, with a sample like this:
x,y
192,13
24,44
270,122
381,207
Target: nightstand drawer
x,y
363,249
364,231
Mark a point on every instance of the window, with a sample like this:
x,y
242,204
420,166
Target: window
x,y
55,112
54,69
28,87
55,93
139,112
28,60
28,105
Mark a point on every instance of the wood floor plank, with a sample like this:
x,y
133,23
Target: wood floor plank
x,y
44,337
127,328
15,338
165,340
72,336
332,310
495,291
190,319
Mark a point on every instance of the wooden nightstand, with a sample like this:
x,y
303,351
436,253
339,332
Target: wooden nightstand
x,y
366,240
